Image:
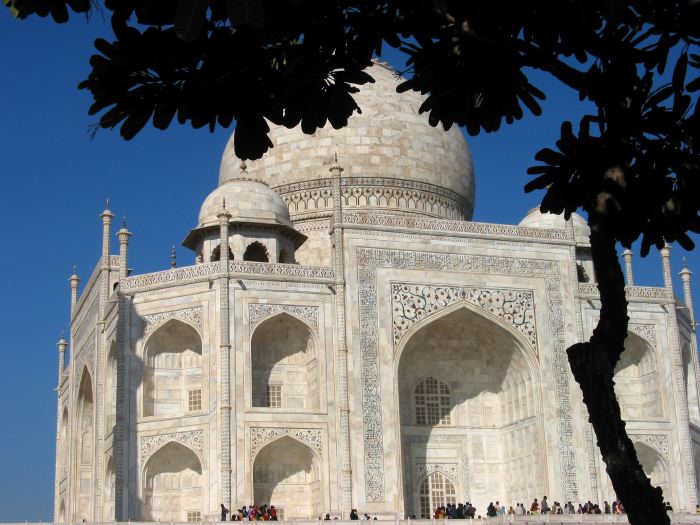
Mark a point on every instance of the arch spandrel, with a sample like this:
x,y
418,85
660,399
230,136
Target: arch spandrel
x,y
259,313
260,437
192,439
415,304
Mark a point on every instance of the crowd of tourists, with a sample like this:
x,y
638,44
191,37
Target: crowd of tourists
x,y
251,513
468,511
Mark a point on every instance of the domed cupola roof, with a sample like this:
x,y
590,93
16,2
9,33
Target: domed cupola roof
x,y
536,219
394,160
250,203
246,200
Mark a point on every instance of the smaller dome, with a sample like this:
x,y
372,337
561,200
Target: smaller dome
x,y
536,219
247,201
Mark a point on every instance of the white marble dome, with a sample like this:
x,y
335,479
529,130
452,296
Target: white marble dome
x,y
247,201
389,153
536,219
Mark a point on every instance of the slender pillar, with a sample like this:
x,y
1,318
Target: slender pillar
x,y
62,344
123,236
225,348
105,292
687,295
339,262
74,281
687,466
629,278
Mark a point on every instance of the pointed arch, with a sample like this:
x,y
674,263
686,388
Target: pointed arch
x,y
494,386
287,474
435,490
284,363
173,376
216,254
655,467
256,252
172,484
637,381
109,495
85,456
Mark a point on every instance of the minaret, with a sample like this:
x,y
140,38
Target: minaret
x,y
107,217
225,349
74,281
629,278
687,295
680,391
123,236
339,263
62,344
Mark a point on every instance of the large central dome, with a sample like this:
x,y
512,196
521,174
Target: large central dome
x,y
394,162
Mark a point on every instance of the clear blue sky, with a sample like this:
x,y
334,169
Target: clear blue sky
x,y
54,180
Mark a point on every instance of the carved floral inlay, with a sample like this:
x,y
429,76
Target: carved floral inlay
x,y
424,469
414,302
259,437
258,312
193,439
658,442
192,316
647,331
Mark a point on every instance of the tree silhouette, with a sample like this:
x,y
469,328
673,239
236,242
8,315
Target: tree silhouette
x,y
632,164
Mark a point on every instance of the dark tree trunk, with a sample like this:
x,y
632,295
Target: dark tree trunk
x,y
593,365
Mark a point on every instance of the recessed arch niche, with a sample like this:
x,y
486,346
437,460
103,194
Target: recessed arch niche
x,y
285,369
110,482
173,371
492,420
63,444
637,384
654,467
286,474
172,480
85,446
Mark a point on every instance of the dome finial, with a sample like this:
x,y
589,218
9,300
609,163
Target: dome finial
x,y
75,270
244,167
173,257
107,203
223,203
124,222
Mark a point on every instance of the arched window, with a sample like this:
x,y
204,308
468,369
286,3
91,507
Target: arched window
x,y
436,490
216,254
637,381
432,402
256,252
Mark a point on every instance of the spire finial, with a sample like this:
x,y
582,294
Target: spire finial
x,y
223,203
124,222
244,167
107,204
335,157
685,267
173,257
63,334
75,269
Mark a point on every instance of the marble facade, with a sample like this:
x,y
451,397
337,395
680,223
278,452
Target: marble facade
x,y
348,338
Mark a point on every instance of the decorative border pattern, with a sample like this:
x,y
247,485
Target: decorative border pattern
x,y
647,331
257,312
658,442
412,303
291,271
261,436
450,226
380,192
369,259
448,469
192,316
193,439
632,292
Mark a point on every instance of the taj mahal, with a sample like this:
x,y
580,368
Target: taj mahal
x,y
344,336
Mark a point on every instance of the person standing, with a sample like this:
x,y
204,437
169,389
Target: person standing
x,y
544,506
224,512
